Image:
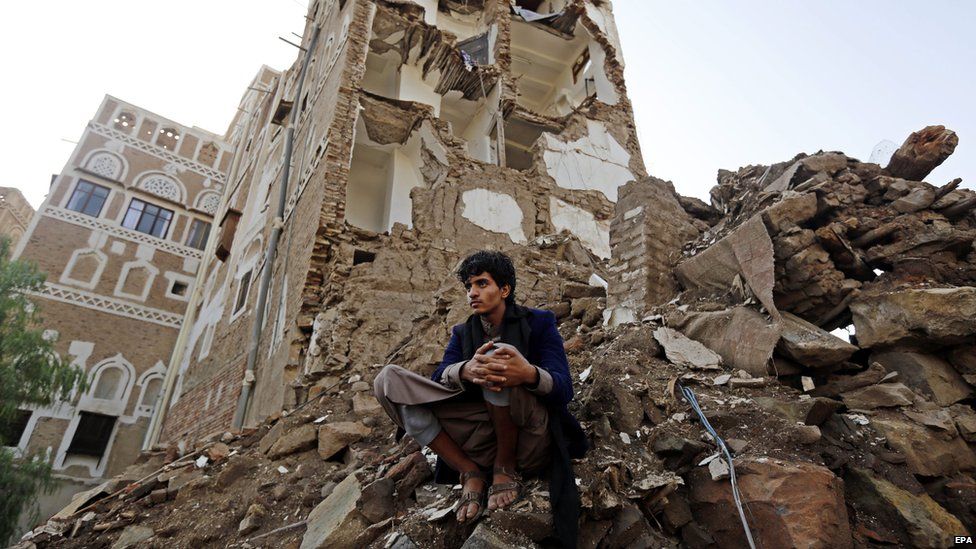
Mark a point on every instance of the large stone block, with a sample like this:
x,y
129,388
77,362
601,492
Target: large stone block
x,y
790,504
810,346
927,451
926,374
296,440
937,315
335,522
916,520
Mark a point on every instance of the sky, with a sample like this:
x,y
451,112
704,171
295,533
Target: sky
x,y
714,84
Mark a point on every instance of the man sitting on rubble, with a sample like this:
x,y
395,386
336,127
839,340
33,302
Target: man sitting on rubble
x,y
498,399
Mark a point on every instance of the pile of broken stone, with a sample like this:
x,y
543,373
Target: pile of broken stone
x,y
859,440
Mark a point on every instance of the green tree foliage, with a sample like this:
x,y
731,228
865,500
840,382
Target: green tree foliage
x,y
31,374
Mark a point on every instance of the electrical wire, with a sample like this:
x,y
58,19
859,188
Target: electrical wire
x,y
690,397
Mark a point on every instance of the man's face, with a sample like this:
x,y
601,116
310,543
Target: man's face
x,y
484,295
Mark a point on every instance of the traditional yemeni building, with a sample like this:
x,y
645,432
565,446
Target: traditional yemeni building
x,y
405,135
15,214
120,237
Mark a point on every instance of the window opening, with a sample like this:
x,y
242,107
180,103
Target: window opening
x,y
179,288
88,198
92,435
147,218
167,138
242,291
125,121
362,256
11,432
476,48
199,233
581,64
108,384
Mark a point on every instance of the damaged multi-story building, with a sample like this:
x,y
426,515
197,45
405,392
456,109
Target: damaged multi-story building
x,y
405,135
120,237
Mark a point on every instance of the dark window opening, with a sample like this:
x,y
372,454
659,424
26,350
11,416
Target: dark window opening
x,y
88,198
242,290
229,227
179,288
476,48
92,435
11,432
581,64
147,218
199,233
362,256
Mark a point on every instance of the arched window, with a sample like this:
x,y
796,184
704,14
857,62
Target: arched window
x,y
208,202
162,186
107,386
105,164
208,154
168,138
151,388
124,121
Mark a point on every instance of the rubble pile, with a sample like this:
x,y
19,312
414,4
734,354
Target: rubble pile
x,y
862,440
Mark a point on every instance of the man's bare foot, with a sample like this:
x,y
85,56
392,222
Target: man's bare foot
x,y
472,496
506,487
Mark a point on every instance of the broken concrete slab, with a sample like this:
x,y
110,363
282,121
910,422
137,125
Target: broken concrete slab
x,y
686,352
335,522
924,523
932,316
810,346
743,338
926,374
746,252
791,505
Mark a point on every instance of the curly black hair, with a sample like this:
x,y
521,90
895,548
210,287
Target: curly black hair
x,y
497,264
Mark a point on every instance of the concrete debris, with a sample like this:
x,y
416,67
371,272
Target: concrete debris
x,y
738,299
686,352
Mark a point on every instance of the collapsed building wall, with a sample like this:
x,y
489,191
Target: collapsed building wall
x,y
417,130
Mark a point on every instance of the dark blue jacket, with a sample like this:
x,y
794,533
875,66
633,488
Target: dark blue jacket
x,y
545,350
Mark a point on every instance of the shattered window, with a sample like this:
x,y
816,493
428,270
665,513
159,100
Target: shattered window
x,y
88,198
199,233
147,218
477,49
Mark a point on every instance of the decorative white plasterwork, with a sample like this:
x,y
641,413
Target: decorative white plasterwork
x,y
139,264
162,185
150,376
114,404
207,202
76,256
121,232
172,277
154,150
107,164
109,305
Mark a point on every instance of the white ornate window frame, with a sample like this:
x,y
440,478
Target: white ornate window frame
x,y
124,164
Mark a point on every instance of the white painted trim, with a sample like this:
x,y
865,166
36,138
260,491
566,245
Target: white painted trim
x,y
66,277
120,177
64,294
112,133
140,182
126,269
116,230
172,277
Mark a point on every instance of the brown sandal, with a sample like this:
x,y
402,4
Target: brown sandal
x,y
515,484
476,497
